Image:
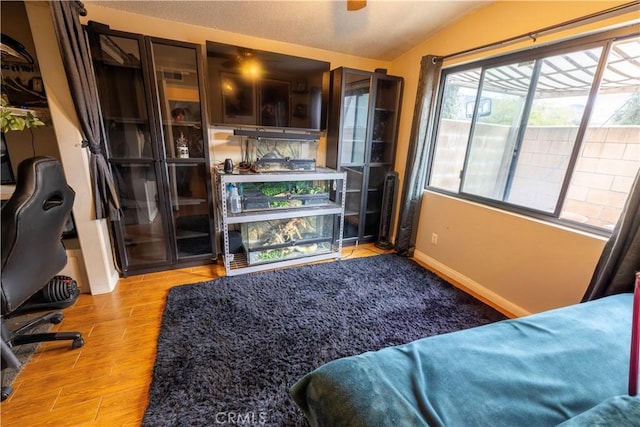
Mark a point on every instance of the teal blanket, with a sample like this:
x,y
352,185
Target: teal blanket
x,y
539,370
618,411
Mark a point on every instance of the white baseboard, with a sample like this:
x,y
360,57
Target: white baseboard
x,y
494,299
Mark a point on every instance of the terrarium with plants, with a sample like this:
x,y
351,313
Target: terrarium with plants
x,y
282,239
284,194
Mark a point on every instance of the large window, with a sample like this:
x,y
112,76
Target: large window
x,y
553,132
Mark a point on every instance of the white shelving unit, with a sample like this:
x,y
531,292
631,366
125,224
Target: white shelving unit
x,y
239,263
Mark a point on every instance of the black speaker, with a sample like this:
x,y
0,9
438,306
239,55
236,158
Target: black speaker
x,y
387,211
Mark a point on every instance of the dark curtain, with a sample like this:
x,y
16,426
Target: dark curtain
x,y
620,259
416,168
79,70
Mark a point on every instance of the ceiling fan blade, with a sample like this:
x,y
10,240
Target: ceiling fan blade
x,y
356,4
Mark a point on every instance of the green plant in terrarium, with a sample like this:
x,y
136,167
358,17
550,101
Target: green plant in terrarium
x,y
285,203
308,187
272,189
16,119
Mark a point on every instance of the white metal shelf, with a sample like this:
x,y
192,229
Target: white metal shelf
x,y
237,263
272,214
248,176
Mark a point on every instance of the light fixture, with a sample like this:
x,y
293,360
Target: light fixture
x,y
228,88
251,68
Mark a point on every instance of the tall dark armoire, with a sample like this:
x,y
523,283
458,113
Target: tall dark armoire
x,y
152,99
364,109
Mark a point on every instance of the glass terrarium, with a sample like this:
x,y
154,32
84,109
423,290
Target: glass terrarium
x,y
283,239
283,155
284,194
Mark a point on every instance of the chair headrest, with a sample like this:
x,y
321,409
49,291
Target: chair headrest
x,y
40,186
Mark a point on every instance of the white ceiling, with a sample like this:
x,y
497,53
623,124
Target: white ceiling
x,y
384,29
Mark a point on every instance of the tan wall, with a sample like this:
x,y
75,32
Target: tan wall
x,y
520,264
496,21
523,265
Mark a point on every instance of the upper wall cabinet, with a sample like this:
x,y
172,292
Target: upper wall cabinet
x,y
364,109
152,100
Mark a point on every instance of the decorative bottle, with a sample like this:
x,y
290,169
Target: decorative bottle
x,y
235,205
182,147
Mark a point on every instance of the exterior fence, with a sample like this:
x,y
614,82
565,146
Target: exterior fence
x,y
606,166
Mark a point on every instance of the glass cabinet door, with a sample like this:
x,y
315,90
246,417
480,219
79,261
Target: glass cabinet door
x,y
118,66
375,189
119,59
361,140
355,118
353,201
384,120
144,234
150,93
178,87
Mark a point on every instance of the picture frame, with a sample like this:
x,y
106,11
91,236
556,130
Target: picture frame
x,y
300,87
275,103
238,99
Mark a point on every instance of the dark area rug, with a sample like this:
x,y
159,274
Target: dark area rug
x,y
230,349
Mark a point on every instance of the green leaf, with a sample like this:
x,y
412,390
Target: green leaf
x,y
9,120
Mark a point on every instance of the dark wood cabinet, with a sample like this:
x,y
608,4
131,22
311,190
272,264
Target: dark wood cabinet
x,y
364,109
155,139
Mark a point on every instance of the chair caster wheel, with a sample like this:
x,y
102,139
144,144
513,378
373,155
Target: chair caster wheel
x,y
77,343
56,318
6,391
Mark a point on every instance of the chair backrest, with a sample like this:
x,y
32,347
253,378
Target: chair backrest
x,y
33,220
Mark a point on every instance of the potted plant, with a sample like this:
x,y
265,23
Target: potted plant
x,y
16,118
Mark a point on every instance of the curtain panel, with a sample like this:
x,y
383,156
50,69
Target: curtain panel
x,y
417,160
77,63
620,259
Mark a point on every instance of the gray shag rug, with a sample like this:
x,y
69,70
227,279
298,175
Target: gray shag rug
x,y
230,349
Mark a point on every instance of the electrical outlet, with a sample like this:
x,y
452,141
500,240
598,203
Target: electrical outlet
x,y
434,239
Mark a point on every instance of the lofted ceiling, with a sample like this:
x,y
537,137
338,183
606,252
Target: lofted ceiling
x,y
383,29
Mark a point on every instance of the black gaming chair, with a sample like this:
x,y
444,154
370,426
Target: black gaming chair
x,y
32,252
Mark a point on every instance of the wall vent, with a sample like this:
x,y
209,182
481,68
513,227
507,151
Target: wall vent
x,y
173,75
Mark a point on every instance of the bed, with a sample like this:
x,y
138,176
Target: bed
x,y
569,365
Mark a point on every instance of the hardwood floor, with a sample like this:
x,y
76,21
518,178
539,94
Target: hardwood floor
x,y
106,382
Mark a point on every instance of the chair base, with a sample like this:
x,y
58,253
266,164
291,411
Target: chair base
x,y
5,393
20,337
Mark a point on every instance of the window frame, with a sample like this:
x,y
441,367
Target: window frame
x,y
604,40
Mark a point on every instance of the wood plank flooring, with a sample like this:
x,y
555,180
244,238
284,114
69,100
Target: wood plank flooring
x,y
106,382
